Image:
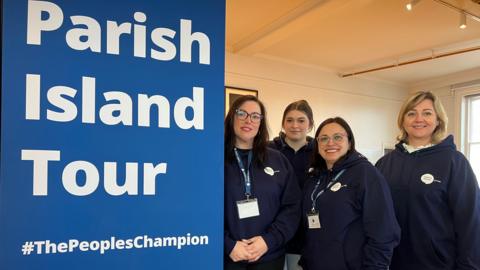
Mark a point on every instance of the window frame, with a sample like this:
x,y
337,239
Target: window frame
x,y
461,95
468,123
462,103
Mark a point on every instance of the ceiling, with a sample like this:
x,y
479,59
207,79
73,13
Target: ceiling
x,y
349,36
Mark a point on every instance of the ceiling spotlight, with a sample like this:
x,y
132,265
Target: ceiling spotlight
x,y
412,3
463,21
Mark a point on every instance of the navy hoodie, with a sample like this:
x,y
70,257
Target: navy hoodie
x,y
275,186
359,229
437,204
300,161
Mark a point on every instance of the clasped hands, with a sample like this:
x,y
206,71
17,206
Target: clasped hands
x,y
249,249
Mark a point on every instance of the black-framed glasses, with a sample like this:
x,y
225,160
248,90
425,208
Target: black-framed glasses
x,y
336,138
243,115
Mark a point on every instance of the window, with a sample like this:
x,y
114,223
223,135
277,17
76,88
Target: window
x,y
472,132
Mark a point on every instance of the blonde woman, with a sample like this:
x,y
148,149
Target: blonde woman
x,y
435,192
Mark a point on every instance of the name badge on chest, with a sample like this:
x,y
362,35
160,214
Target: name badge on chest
x,y
313,221
248,208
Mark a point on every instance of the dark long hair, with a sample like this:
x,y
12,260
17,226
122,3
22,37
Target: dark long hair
x,y
318,163
259,142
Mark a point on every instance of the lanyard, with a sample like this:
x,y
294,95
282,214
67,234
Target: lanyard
x,y
314,200
246,173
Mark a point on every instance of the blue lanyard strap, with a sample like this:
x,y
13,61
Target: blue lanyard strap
x,y
314,200
245,172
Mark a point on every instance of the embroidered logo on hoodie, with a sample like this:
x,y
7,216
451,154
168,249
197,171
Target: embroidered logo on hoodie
x,y
270,171
337,186
428,179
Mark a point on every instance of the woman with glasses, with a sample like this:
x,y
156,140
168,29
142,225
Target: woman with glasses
x,y
434,190
262,198
347,208
297,147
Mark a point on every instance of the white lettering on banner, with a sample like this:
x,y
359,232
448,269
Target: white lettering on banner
x,y
47,247
35,24
86,34
40,168
41,160
118,107
67,103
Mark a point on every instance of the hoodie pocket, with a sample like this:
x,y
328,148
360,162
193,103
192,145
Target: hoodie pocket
x,y
443,251
427,253
353,245
325,256
438,253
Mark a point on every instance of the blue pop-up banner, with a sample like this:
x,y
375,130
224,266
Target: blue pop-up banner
x,y
112,134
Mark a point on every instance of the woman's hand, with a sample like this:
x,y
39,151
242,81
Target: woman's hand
x,y
240,252
256,247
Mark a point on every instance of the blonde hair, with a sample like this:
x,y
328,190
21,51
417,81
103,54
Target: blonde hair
x,y
412,101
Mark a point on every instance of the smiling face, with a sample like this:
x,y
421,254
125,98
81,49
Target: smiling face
x,y
296,125
420,122
333,143
246,130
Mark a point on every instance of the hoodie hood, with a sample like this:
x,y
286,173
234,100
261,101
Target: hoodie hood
x,y
349,160
280,143
446,144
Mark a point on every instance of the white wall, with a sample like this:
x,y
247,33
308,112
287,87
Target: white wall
x,y
370,107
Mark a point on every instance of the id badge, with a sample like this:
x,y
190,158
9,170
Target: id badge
x,y
313,221
248,208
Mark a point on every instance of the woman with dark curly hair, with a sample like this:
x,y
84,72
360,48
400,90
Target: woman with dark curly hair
x,y
347,208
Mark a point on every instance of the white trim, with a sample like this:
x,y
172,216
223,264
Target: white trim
x,y
460,93
469,119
